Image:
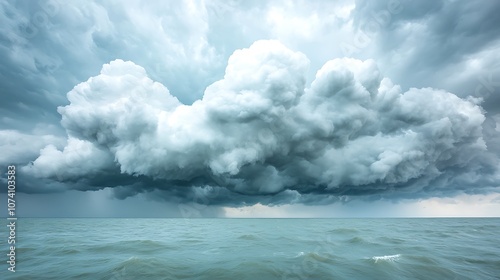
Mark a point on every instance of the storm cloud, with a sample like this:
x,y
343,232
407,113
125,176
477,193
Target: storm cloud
x,y
235,103
261,135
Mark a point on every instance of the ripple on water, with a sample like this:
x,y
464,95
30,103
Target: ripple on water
x,y
248,237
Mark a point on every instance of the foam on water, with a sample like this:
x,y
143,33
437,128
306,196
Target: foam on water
x,y
388,258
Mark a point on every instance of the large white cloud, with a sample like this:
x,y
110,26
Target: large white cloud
x,y
19,148
261,131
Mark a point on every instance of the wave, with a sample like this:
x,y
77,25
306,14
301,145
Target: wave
x,y
388,258
343,230
248,237
133,245
320,257
300,254
69,251
357,240
391,240
213,251
134,267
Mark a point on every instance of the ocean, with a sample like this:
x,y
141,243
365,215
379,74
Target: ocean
x,y
414,248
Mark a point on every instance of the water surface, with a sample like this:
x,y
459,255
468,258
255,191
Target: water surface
x,y
256,249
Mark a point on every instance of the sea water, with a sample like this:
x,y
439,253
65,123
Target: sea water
x,y
260,249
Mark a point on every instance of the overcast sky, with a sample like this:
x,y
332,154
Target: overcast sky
x,y
251,108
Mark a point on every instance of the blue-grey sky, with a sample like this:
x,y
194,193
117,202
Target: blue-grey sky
x,y
251,108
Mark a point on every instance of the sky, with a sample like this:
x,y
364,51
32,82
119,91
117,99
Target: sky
x,y
385,108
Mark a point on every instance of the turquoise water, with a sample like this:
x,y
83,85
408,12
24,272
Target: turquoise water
x,y
255,249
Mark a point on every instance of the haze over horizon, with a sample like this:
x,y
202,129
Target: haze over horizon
x,y
265,109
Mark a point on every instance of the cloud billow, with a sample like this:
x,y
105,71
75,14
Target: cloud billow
x,y
261,135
